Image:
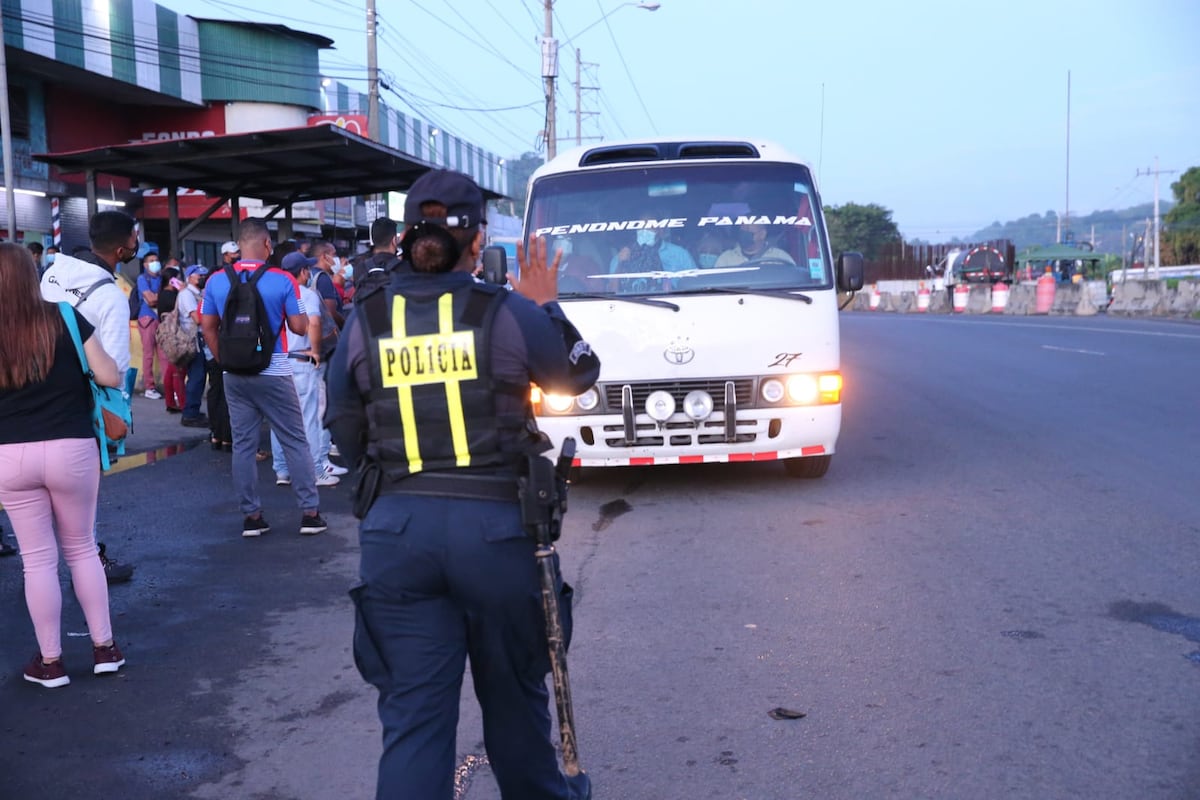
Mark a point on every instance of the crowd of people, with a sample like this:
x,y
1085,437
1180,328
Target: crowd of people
x,y
444,457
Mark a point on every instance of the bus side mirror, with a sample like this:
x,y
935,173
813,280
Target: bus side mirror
x,y
850,271
495,265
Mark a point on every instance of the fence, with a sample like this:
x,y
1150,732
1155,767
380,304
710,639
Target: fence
x,y
899,261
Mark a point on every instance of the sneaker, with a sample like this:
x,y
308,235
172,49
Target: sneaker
x,y
333,451
334,469
114,570
48,675
282,480
174,410
255,526
312,523
200,421
327,480
107,659
151,394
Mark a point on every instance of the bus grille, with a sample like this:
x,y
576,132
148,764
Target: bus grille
x,y
743,390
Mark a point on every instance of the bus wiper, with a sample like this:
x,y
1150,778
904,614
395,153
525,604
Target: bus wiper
x,y
646,301
787,294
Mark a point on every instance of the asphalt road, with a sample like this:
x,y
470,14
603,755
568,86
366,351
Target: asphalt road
x,y
993,593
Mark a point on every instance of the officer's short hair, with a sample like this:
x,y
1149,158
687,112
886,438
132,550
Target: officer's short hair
x,y
383,231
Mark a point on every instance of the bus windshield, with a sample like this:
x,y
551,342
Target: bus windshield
x,y
679,229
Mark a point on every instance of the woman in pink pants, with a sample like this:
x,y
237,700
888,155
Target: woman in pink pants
x,y
50,463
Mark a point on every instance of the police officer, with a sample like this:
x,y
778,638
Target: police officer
x,y
430,397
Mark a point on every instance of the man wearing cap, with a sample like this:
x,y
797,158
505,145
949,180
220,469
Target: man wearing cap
x,y
188,307
308,372
429,395
269,394
229,253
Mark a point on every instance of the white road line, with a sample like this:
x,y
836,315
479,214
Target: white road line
x,y
1073,350
959,320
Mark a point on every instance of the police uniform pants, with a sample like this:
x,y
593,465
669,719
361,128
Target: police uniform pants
x,y
443,580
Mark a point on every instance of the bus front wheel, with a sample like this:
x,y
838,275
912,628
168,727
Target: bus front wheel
x,y
808,466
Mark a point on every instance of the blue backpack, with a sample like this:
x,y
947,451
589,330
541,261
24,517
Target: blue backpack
x,y
112,413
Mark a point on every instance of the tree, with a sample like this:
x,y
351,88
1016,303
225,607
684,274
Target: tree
x,y
863,228
1181,238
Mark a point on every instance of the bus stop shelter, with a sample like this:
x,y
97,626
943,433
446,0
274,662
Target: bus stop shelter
x,y
279,167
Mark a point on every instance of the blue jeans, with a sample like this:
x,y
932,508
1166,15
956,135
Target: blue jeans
x,y
194,387
252,399
310,382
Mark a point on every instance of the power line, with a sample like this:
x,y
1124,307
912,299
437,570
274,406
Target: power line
x,y
628,74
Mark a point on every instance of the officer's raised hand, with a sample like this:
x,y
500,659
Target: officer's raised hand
x,y
539,278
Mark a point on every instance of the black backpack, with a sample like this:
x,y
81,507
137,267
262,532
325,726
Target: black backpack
x,y
135,303
245,339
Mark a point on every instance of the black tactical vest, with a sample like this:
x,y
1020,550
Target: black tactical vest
x,y
431,406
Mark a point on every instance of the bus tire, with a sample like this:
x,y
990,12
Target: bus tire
x,y
808,466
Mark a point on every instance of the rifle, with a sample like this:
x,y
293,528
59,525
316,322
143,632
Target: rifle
x,y
543,502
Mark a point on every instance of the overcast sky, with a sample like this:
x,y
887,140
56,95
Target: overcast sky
x,y
953,114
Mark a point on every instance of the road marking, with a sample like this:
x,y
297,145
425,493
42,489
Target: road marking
x,y
1073,350
960,319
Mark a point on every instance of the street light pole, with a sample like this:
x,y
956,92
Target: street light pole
x,y
372,75
550,65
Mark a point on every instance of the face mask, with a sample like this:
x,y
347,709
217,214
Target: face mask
x,y
154,267
132,255
50,259
564,246
348,272
337,264
203,279
746,240
645,238
707,260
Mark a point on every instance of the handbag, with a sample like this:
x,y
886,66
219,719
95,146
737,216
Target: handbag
x,y
112,414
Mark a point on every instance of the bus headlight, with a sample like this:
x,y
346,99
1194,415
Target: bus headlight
x,y
588,400
558,403
698,405
802,389
771,390
660,406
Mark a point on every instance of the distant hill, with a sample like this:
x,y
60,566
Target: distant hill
x,y
1106,226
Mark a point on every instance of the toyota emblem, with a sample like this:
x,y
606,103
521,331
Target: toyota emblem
x,y
679,352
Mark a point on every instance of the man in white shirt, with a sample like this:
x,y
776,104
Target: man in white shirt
x,y
308,372
87,282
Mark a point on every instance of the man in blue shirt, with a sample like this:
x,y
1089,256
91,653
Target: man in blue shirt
x,y
148,285
269,394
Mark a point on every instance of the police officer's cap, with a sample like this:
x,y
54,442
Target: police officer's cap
x,y
461,196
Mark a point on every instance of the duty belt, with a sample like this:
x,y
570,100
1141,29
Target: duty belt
x,y
471,487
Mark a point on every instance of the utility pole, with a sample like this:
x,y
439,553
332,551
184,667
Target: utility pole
x,y
1155,172
549,73
1067,211
372,75
579,90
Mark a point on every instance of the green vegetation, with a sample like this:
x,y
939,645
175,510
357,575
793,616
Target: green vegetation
x,y
1181,237
863,228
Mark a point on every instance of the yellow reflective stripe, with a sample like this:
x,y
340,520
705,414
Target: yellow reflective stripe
x,y
458,424
404,393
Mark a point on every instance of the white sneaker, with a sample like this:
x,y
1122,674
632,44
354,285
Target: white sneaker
x,y
334,469
282,480
333,451
325,479
152,394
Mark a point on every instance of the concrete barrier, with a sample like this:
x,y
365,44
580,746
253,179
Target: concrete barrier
x,y
1129,298
1021,299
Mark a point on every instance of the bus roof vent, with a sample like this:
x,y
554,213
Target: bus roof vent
x,y
663,151
620,154
717,150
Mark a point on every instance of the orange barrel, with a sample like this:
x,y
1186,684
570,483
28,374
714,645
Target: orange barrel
x,y
923,298
961,292
999,297
1044,294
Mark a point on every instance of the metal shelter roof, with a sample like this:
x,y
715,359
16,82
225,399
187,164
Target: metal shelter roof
x,y
279,167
